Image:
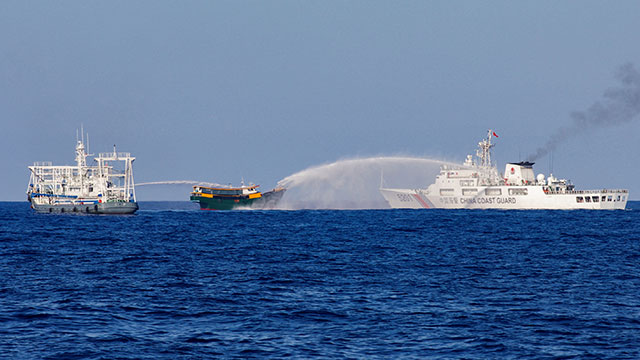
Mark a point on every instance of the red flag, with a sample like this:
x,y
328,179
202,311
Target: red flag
x,y
494,134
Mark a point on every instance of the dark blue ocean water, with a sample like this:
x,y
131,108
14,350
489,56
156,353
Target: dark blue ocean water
x,y
185,283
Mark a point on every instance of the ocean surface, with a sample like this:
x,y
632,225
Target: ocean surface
x,y
174,282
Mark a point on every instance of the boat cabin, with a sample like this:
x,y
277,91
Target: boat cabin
x,y
250,191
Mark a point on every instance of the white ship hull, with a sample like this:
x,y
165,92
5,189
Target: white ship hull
x,y
536,198
86,207
478,185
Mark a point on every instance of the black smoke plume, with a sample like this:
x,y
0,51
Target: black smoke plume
x,y
619,105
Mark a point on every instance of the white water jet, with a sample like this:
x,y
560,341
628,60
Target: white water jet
x,y
181,182
354,183
178,190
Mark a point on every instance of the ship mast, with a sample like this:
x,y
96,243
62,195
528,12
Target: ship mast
x,y
81,155
81,161
484,150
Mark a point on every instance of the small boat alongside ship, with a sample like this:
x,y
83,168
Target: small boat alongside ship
x,y
104,188
229,198
478,185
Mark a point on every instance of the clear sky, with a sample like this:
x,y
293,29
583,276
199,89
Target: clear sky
x,y
220,91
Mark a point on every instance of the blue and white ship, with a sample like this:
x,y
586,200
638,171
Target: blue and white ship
x,y
104,188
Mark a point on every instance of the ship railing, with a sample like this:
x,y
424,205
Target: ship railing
x,y
111,155
589,192
43,163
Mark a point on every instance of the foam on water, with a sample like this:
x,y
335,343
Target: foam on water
x,y
354,183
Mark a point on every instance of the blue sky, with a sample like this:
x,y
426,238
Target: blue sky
x,y
220,91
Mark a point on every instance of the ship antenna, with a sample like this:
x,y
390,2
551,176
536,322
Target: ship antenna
x,y
484,150
491,135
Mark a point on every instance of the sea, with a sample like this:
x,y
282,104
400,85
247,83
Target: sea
x,y
174,282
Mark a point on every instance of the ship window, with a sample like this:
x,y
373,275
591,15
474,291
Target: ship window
x,y
609,198
469,192
518,191
446,192
579,199
596,198
603,198
493,192
618,198
466,183
587,199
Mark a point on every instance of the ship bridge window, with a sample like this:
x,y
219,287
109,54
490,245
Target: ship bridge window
x,y
587,199
518,191
604,198
493,192
596,199
466,183
469,192
579,199
446,192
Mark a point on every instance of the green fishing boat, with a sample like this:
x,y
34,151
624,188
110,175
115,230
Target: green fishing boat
x,y
229,198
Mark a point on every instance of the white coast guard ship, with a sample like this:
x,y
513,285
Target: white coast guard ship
x,y
106,188
477,185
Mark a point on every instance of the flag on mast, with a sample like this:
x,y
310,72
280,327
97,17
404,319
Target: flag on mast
x,y
494,134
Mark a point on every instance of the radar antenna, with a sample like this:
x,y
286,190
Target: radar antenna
x,y
484,150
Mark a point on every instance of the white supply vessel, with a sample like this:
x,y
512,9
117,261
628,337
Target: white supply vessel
x,y
477,185
105,188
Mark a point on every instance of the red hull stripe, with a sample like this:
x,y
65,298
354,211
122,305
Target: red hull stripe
x,y
421,201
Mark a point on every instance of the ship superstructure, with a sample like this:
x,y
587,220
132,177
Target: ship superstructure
x,y
477,185
104,188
